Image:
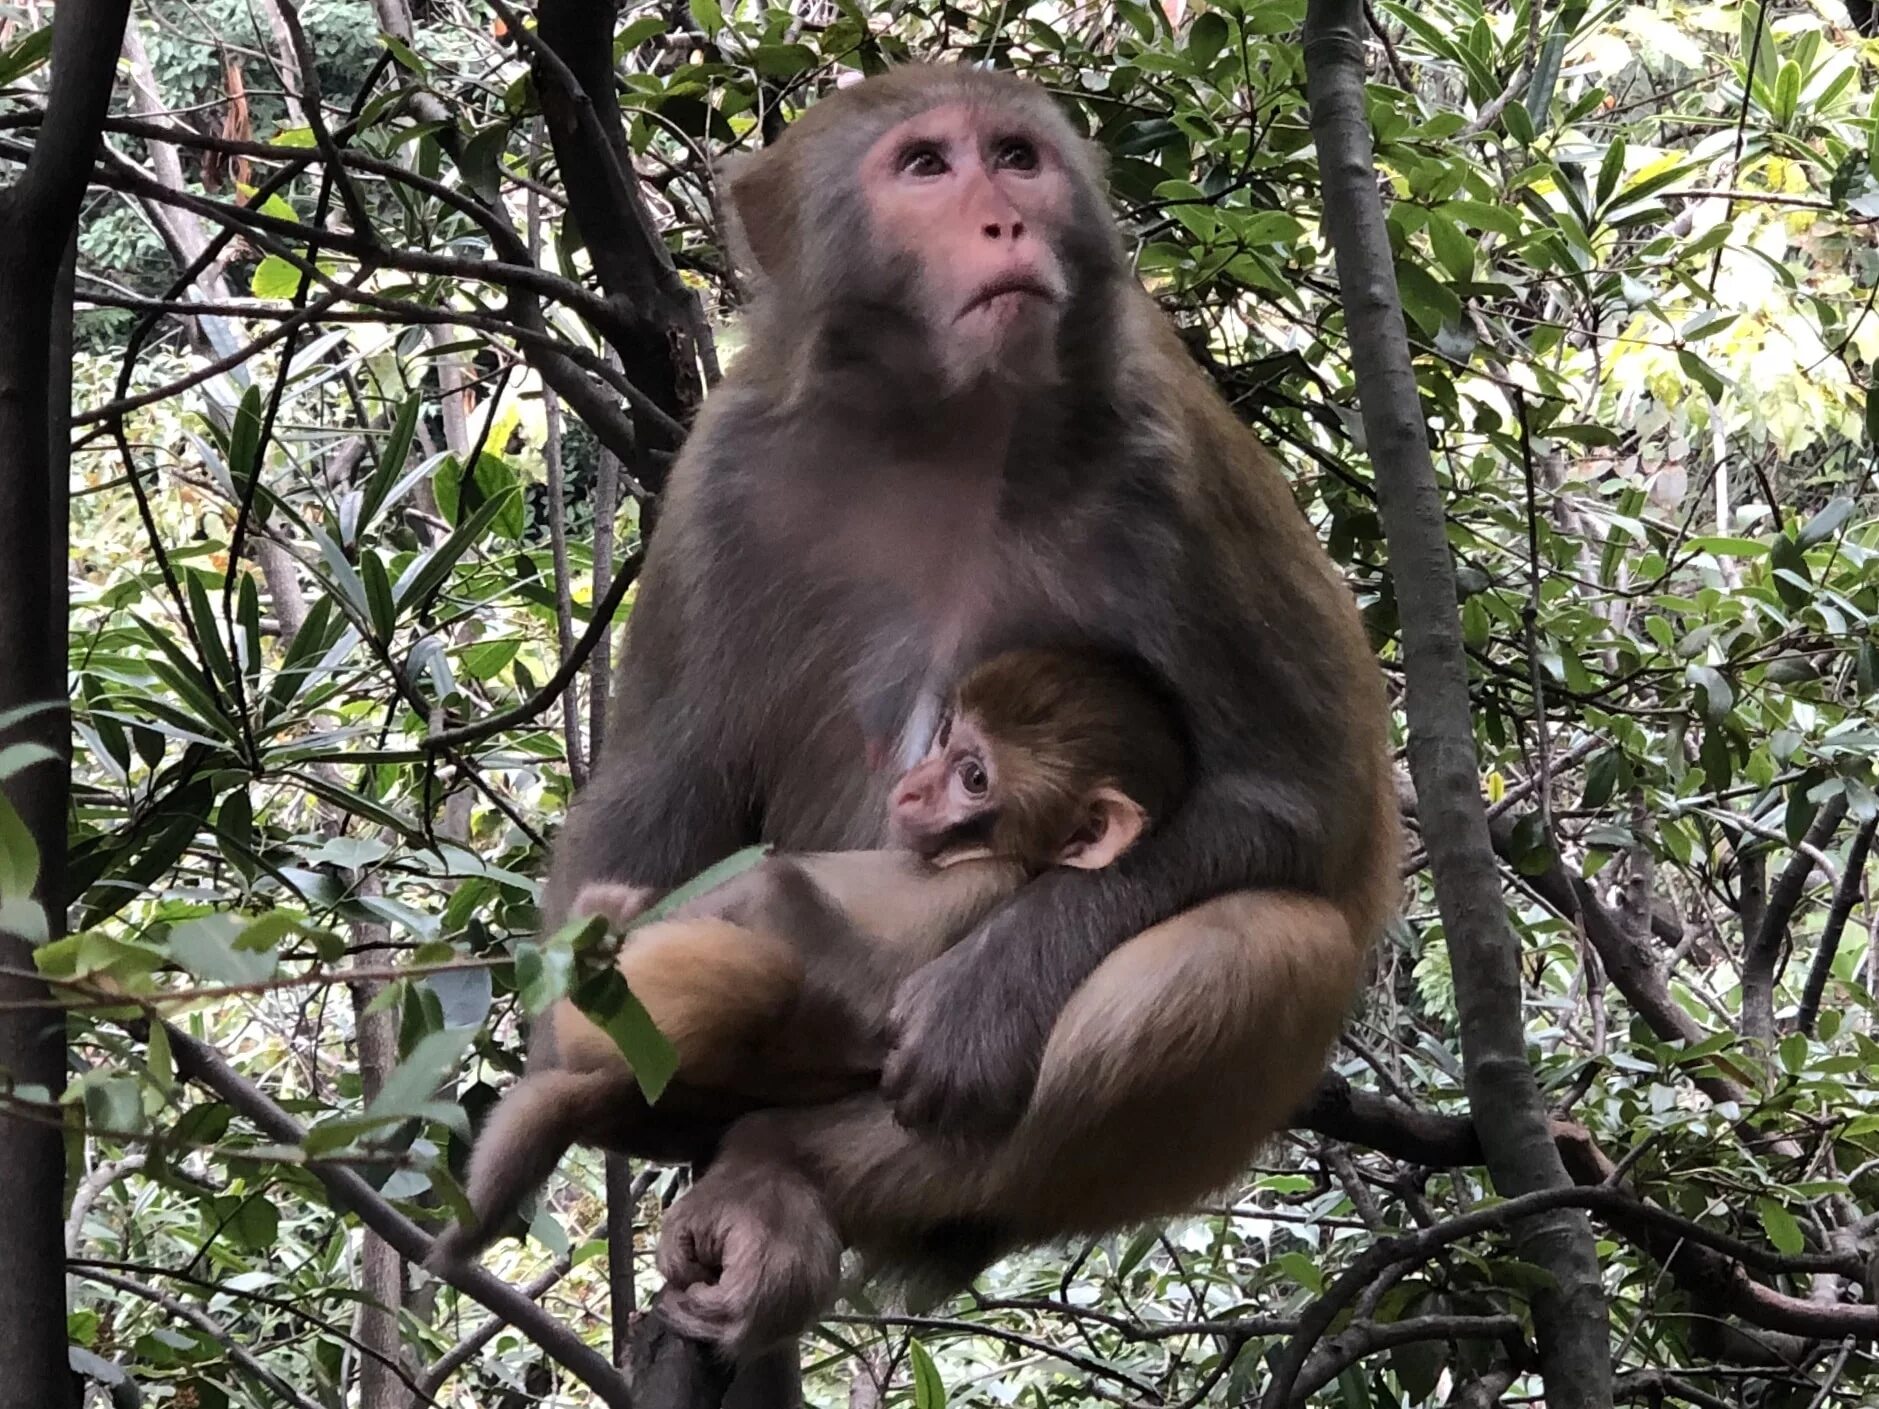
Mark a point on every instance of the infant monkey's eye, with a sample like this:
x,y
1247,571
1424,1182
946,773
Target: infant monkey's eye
x,y
972,777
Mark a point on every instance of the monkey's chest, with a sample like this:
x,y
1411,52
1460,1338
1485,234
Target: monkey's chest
x,y
891,592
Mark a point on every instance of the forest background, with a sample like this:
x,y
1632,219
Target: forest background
x,y
372,378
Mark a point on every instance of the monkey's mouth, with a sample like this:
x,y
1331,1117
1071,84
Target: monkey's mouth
x,y
1009,290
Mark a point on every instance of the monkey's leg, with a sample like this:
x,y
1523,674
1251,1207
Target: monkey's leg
x,y
1187,1047
715,989
712,988
1190,1045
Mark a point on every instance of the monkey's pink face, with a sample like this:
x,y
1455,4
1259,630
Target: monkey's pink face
x,y
979,200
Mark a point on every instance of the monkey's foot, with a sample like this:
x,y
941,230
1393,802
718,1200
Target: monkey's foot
x,y
750,1259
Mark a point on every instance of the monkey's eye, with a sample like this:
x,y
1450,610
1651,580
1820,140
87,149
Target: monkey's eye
x,y
1017,154
972,777
922,159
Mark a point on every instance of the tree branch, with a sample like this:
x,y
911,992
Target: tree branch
x,y
202,1063
1575,1356
1845,896
1762,953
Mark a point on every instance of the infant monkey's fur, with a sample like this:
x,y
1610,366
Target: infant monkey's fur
x,y
775,988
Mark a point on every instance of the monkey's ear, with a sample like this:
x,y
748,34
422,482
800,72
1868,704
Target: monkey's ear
x,y
760,201
1115,821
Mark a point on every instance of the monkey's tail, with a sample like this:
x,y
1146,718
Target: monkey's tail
x,y
530,1129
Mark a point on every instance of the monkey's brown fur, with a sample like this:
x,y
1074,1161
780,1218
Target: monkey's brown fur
x,y
774,987
1060,734
900,474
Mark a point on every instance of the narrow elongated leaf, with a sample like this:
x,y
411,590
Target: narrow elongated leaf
x,y
929,1390
605,998
418,586
391,461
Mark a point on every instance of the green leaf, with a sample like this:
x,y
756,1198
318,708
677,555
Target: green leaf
x,y
543,972
206,947
428,574
257,1223
1530,848
1432,304
1793,583
639,31
1827,522
159,1060
1601,779
378,597
299,661
1454,249
391,460
703,883
495,480
19,855
248,618
274,277
1479,215
1701,373
1781,1228
234,828
1206,37
209,632
22,58
929,1390
403,56
605,998
1717,695
114,1105
1538,100
485,660
1609,171
244,440
411,1089
1717,758
1793,1052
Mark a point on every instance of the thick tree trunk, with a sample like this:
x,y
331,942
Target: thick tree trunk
x,y
1575,1352
37,217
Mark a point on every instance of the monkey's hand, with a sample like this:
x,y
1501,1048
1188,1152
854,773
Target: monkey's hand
x,y
967,1035
613,901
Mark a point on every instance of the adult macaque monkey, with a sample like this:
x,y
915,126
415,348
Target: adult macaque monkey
x,y
959,425
774,987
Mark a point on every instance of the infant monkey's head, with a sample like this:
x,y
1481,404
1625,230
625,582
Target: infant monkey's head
x,y
1046,757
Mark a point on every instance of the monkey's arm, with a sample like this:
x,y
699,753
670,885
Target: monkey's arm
x,y
662,803
969,1029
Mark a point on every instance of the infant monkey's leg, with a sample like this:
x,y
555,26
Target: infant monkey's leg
x,y
713,988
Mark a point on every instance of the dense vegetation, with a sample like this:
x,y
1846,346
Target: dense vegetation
x,y
351,472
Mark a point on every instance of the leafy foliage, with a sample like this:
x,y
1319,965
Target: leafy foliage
x,y
333,536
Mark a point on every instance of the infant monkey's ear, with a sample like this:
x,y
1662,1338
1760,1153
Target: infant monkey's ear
x,y
1114,823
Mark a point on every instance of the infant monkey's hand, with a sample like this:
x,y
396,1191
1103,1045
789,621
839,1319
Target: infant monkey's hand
x,y
615,902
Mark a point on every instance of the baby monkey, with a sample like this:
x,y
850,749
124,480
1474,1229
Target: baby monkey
x,y
775,987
